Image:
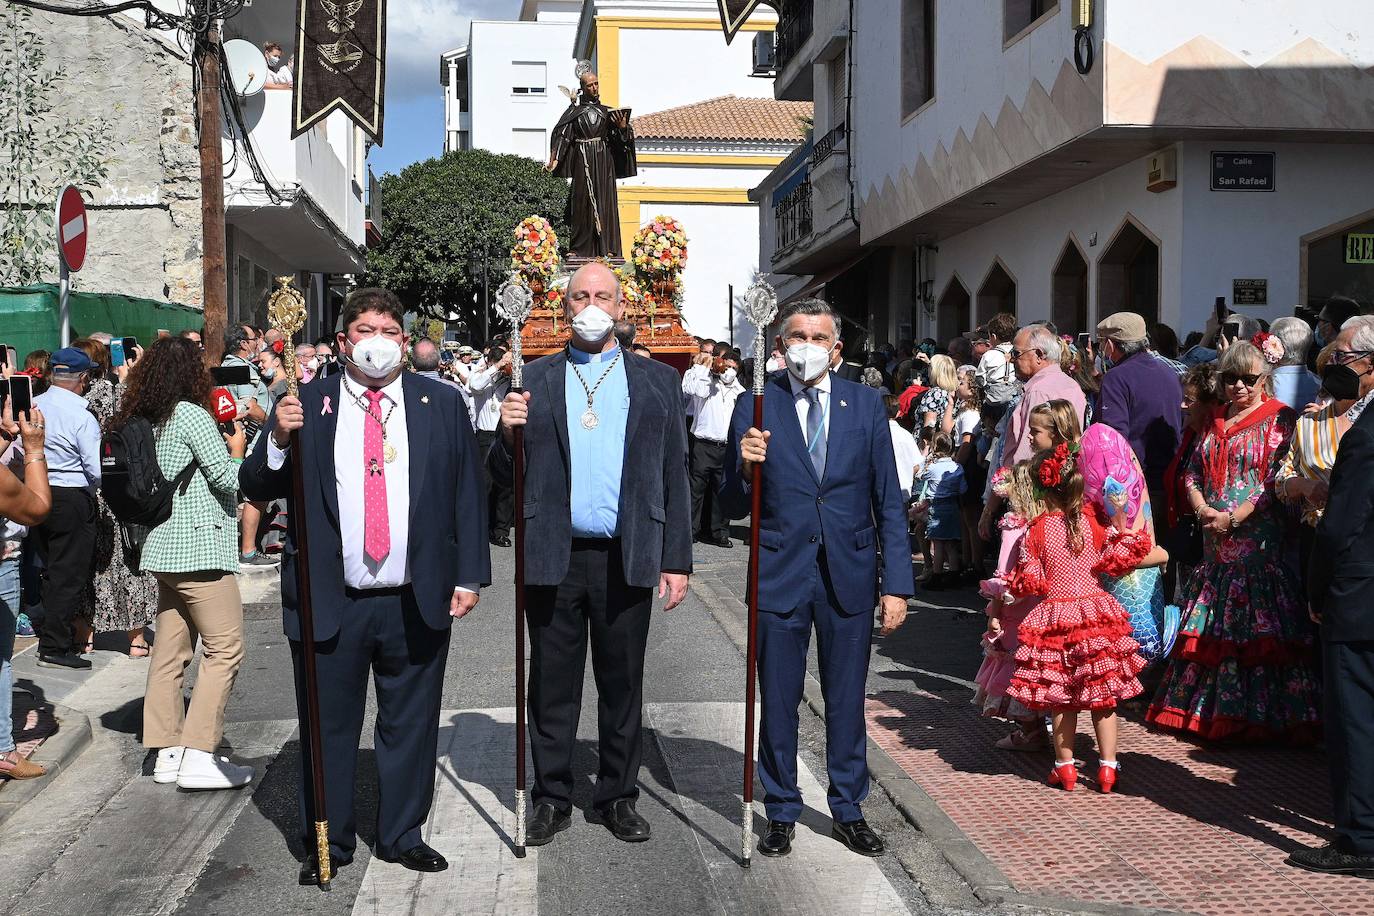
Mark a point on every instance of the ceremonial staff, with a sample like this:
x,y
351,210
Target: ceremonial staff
x,y
760,308
286,313
513,302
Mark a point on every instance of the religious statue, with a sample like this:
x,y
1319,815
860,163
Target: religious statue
x,y
593,145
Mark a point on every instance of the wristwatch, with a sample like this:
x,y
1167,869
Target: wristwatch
x,y
1235,522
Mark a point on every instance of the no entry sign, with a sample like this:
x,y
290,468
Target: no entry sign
x,y
71,228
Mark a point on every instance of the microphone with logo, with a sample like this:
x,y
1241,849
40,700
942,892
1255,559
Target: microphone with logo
x,y
225,409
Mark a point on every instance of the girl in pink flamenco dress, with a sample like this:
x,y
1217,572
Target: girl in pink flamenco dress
x,y
1006,609
1076,651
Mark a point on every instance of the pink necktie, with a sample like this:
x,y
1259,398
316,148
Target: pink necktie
x,y
376,524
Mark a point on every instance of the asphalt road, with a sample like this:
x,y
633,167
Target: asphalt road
x,y
160,850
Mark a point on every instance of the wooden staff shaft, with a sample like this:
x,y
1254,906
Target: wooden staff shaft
x,y
312,687
751,646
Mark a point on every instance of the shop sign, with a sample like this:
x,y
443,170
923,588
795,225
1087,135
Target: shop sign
x,y
1359,248
1242,171
1250,292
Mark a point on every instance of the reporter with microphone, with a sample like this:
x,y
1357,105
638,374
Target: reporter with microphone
x,y
194,556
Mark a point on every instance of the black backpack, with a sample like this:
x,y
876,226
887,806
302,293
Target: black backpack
x,y
131,481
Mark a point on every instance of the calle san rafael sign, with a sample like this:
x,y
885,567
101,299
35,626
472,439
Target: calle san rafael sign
x,y
1233,171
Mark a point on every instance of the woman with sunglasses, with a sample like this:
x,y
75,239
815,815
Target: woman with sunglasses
x,y
1242,667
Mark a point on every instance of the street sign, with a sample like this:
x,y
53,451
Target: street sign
x,y
1359,248
71,228
1250,292
1242,171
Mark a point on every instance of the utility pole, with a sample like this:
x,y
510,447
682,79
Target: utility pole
x,y
208,117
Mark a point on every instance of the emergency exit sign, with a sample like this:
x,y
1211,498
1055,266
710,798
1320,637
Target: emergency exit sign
x,y
1359,248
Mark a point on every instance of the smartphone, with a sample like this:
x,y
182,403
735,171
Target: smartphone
x,y
21,396
12,357
1220,306
232,375
1084,340
130,347
4,355
116,353
1231,330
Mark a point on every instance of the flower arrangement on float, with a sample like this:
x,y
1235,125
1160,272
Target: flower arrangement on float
x,y
659,256
534,256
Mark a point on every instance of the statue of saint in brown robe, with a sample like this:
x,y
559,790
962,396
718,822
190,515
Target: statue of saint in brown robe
x,y
592,146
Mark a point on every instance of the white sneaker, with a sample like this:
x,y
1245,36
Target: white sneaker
x,y
168,763
200,770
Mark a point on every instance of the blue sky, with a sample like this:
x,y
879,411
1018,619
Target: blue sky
x,y
418,31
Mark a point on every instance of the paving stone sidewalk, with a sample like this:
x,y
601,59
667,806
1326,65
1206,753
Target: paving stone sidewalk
x,y
1191,828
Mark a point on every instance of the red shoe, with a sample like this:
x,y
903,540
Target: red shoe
x,y
1106,778
1065,774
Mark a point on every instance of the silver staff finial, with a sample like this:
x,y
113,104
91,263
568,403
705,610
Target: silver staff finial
x,y
760,308
513,303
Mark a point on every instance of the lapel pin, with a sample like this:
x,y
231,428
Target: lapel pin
x,y
326,408
843,404
424,399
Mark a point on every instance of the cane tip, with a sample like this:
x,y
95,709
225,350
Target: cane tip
x,y
744,863
324,886
520,852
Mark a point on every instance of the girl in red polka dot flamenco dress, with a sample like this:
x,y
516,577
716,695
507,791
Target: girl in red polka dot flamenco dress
x,y
1076,649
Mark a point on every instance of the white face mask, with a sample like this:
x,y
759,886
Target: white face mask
x,y
591,325
808,361
727,378
376,357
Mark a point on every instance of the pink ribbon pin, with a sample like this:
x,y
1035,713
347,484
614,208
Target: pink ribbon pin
x,y
326,408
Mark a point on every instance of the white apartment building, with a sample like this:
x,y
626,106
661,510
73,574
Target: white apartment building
x,y
501,88
1206,150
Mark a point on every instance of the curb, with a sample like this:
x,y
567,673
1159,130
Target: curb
x,y
56,753
987,881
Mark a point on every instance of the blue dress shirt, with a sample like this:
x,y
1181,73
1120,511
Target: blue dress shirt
x,y
597,455
1295,386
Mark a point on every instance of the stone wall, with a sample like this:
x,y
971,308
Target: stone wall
x,y
145,224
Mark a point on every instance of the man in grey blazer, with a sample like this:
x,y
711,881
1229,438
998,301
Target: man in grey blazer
x,y
608,516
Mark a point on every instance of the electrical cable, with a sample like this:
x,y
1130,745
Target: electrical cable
x,y
1083,49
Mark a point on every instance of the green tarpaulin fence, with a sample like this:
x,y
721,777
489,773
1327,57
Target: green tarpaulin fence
x,y
29,317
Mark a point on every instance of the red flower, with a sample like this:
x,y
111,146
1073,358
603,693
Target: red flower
x,y
279,347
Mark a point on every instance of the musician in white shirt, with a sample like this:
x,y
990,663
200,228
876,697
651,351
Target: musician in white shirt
x,y
712,386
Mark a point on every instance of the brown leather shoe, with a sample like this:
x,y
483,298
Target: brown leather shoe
x,y
12,766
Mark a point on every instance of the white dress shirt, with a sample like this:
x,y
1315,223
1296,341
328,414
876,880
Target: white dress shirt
x,y
462,372
360,571
908,456
488,386
803,403
715,403
72,440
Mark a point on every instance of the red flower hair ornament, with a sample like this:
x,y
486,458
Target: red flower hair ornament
x,y
1059,463
279,347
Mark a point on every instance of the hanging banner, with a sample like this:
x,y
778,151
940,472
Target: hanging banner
x,y
734,13
340,62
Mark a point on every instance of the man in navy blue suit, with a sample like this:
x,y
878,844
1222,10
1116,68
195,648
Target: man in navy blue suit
x,y
378,446
830,499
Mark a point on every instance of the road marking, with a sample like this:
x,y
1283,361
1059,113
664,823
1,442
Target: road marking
x,y
701,743
471,824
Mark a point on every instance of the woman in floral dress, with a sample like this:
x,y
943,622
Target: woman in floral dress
x,y
117,600
1242,668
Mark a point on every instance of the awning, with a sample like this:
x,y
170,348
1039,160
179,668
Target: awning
x,y
734,13
819,281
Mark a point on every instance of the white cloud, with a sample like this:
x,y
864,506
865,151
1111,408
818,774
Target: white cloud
x,y
418,31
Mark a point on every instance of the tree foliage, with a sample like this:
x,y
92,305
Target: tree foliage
x,y
34,139
441,215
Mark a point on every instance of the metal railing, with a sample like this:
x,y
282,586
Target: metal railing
x,y
794,28
373,213
793,216
826,145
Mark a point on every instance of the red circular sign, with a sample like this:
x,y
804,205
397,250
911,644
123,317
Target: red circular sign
x,y
71,228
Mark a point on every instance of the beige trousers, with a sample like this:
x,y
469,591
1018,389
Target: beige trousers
x,y
191,606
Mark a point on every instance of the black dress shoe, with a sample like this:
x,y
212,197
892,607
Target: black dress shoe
x,y
420,858
544,823
778,840
310,869
64,660
1329,860
859,837
721,542
625,822
500,540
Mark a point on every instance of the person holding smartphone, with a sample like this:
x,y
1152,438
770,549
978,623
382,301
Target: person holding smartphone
x,y
25,499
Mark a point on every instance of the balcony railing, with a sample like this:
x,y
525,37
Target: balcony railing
x,y
373,213
793,216
827,145
794,28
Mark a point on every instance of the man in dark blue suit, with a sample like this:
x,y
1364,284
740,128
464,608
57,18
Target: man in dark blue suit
x,y
1340,592
608,516
830,500
378,445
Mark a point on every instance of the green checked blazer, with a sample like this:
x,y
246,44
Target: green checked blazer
x,y
202,534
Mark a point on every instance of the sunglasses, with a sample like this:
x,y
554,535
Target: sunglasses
x,y
1249,380
1017,354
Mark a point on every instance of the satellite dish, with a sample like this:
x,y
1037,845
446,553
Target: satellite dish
x,y
247,66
